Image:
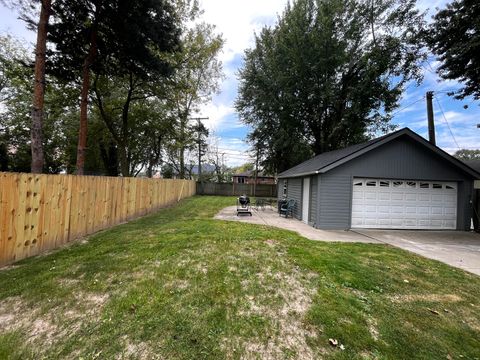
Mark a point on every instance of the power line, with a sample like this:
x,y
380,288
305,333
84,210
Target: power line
x,y
407,106
446,121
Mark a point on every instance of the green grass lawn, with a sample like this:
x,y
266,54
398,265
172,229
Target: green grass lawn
x,y
180,285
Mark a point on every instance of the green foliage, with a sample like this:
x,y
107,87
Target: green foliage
x,y
454,36
134,118
327,74
466,154
196,79
244,168
127,35
15,120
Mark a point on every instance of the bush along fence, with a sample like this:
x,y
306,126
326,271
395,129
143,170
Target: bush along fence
x,y
233,189
43,212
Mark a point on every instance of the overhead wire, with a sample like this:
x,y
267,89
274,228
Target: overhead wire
x,y
407,106
446,121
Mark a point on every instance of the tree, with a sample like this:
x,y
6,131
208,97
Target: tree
x,y
467,155
326,75
197,76
123,39
39,88
16,77
37,112
454,36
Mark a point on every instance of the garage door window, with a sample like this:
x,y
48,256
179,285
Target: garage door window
x,y
371,183
411,184
385,183
398,184
358,183
437,186
424,185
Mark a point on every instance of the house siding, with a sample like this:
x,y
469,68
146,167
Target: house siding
x,y
334,201
401,158
294,191
312,214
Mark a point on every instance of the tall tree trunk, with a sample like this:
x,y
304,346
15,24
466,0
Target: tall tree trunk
x,y
82,133
39,89
181,174
124,163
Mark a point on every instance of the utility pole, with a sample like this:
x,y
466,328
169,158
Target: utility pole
x,y
431,123
199,119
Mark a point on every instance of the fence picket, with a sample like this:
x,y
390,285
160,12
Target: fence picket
x,y
42,212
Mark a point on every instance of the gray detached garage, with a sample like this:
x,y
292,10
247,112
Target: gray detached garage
x,y
398,181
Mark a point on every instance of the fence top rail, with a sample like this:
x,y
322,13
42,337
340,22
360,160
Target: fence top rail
x,y
9,173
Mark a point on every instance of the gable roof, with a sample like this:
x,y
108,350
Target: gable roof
x,y
330,160
474,164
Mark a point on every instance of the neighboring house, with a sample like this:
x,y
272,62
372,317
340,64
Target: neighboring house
x,y
248,177
398,181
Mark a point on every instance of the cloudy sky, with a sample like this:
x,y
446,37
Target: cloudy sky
x,y
238,20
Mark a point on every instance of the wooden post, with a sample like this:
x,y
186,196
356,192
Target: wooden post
x,y
431,123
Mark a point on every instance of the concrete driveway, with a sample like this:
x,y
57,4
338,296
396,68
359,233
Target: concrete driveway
x,y
456,248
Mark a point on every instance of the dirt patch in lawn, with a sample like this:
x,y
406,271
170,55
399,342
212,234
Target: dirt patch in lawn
x,y
426,297
15,315
284,303
44,328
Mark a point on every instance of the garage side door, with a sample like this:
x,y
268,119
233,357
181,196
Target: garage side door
x,y
404,204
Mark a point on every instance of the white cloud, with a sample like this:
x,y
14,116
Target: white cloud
x,y
216,113
238,20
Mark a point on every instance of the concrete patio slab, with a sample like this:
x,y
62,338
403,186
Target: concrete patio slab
x,y
456,248
270,217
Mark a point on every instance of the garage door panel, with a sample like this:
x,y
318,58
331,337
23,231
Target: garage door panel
x,y
404,204
450,211
397,196
422,210
384,196
383,209
410,197
449,224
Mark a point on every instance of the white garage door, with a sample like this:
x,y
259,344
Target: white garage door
x,y
404,204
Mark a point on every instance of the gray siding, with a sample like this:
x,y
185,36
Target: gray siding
x,y
312,215
401,158
294,191
334,201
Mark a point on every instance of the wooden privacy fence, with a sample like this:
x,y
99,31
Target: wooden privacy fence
x,y
42,212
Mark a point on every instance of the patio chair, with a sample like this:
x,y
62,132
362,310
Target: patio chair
x,y
287,208
259,204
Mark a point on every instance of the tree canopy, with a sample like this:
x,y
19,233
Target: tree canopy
x,y
135,101
454,36
327,74
466,154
